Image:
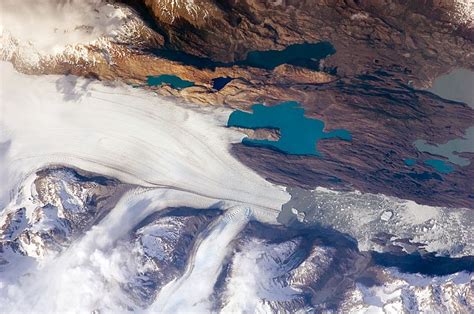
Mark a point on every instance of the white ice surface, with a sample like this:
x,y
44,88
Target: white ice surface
x,y
363,216
122,132
191,293
253,279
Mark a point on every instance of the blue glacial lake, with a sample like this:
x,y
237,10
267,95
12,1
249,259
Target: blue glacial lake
x,y
172,80
439,165
410,162
299,135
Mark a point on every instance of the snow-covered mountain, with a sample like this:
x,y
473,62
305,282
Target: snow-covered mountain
x,y
80,33
55,207
157,263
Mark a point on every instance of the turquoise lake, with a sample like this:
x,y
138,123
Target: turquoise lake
x,y
172,80
410,162
439,165
299,135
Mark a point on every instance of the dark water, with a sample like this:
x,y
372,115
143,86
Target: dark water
x,y
220,82
172,80
305,55
428,264
424,176
299,134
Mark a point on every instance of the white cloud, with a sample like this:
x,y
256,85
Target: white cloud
x,y
50,25
91,273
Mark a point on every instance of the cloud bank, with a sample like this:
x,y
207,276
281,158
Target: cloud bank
x,y
50,25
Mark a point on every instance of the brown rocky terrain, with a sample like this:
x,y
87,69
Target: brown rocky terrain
x,y
384,119
417,41
384,48
421,38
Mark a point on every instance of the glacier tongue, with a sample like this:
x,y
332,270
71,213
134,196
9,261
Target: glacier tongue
x,y
123,133
192,292
177,155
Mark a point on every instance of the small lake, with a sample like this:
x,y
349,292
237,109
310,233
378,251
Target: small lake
x,y
172,80
299,135
439,165
219,82
457,86
410,162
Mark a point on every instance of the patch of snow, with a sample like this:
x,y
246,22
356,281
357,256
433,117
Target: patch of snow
x,y
386,215
258,275
465,11
96,262
156,238
173,9
359,16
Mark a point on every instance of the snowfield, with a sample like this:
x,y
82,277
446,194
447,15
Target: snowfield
x,y
125,133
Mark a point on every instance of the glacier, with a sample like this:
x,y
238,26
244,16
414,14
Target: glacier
x,y
125,133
